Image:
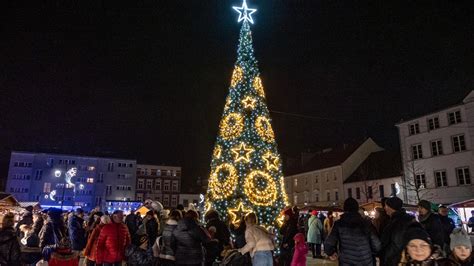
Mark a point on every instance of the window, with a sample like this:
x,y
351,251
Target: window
x,y
90,180
158,172
185,202
454,117
327,177
335,176
316,197
328,195
166,186
108,189
416,152
381,191
336,195
90,168
420,181
101,178
50,162
38,174
349,192
174,186
433,123
47,187
414,129
149,184
393,190
295,199
441,180
463,176
458,143
357,192
69,185
130,165
174,200
295,182
141,184
316,179
436,148
158,184
22,164
166,200
110,167
369,192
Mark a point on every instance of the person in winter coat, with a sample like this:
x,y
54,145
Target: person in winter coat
x,y
314,234
461,248
189,238
380,220
288,231
151,227
259,242
431,223
354,236
38,222
90,251
392,235
222,233
63,255
239,233
447,224
10,251
54,228
301,250
27,219
77,232
113,239
419,249
30,251
139,255
164,250
328,224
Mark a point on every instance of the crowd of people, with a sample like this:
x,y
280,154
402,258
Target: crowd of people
x,y
392,237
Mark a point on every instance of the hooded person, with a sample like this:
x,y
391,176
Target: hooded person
x,y
315,228
419,249
63,255
53,229
461,248
353,237
431,222
392,235
77,232
10,251
299,255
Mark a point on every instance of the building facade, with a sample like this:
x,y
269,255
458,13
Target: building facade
x,y
379,176
56,180
160,183
437,154
319,179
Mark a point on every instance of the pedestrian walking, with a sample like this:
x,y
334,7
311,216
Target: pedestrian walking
x,y
328,224
113,239
90,251
393,234
448,226
301,250
288,231
164,250
259,242
353,237
461,248
151,227
431,223
314,234
380,220
77,232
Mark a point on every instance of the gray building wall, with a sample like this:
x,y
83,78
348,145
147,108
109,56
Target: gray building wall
x,y
33,176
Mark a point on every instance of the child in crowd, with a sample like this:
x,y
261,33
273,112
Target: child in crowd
x,y
461,248
301,250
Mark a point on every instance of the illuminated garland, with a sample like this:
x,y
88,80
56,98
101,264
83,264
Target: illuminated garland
x,y
232,126
223,187
260,188
264,129
236,76
217,152
257,84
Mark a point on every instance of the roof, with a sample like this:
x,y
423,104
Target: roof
x,y
322,160
378,165
69,155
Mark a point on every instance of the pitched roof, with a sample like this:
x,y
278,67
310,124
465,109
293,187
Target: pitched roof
x,y
379,165
326,159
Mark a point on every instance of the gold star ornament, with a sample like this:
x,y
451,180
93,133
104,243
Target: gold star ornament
x,y
237,213
249,102
242,152
271,161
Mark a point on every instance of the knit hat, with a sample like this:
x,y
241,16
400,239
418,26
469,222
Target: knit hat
x,y
425,205
395,203
415,231
459,237
314,213
351,205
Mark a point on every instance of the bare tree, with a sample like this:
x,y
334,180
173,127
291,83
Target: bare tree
x,y
414,181
368,171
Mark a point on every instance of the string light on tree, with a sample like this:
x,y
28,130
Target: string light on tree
x,y
237,213
246,173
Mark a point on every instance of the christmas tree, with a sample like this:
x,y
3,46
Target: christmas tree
x,y
246,174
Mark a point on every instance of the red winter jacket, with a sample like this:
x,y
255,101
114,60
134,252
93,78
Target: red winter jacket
x,y
113,239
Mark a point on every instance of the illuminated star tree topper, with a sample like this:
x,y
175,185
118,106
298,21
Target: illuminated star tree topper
x,y
245,13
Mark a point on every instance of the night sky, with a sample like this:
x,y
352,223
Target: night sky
x,y
148,79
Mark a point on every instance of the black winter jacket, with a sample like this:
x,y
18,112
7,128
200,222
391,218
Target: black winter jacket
x,y
222,233
48,232
448,227
393,238
77,233
138,257
432,224
356,238
10,251
168,242
288,230
189,237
